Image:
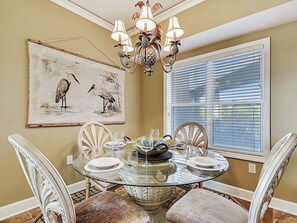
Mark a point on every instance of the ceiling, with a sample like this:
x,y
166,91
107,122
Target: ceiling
x,y
104,13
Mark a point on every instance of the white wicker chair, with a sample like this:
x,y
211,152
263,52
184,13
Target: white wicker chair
x,y
201,206
54,199
194,134
91,135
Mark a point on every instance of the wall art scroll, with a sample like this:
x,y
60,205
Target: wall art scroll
x,y
69,89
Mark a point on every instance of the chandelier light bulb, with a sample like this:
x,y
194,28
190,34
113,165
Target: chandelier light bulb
x,y
167,45
127,46
174,30
146,21
119,33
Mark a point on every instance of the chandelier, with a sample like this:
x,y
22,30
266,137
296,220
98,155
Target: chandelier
x,y
148,46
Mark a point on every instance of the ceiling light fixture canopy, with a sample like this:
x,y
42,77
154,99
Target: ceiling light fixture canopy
x,y
148,47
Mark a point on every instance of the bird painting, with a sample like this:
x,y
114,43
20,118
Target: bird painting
x,y
62,89
109,102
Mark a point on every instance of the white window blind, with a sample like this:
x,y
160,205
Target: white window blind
x,y
225,93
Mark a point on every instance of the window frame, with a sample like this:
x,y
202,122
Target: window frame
x,y
245,47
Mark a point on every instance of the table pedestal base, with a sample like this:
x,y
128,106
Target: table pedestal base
x,y
150,198
158,216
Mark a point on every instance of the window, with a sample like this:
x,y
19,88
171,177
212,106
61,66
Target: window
x,y
228,92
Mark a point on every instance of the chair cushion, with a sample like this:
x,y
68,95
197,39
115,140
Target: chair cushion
x,y
107,207
202,206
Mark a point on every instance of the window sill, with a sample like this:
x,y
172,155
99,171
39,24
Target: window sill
x,y
241,156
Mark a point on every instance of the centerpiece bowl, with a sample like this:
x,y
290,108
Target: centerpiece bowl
x,y
159,147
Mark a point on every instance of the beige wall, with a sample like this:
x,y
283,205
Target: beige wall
x,y
212,13
283,106
43,20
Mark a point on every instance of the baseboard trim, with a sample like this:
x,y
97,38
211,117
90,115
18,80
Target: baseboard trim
x,y
30,203
76,186
276,203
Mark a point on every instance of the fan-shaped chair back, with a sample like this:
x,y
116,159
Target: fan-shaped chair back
x,y
271,174
192,132
46,183
91,135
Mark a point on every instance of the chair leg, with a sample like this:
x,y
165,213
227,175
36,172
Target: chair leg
x,y
87,188
37,218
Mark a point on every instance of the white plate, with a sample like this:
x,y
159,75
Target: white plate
x,y
104,162
92,169
219,167
113,144
204,161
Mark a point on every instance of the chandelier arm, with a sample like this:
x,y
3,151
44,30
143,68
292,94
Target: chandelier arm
x,y
173,61
132,62
166,71
127,66
145,57
163,62
136,57
161,59
137,54
133,65
133,69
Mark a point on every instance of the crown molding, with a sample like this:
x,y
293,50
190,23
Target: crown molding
x,y
84,13
166,14
178,8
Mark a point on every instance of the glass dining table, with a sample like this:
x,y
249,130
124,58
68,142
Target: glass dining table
x,y
151,185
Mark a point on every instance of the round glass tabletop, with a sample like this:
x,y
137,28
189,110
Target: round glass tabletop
x,y
173,170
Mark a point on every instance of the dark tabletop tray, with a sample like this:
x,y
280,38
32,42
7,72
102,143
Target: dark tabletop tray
x,y
159,157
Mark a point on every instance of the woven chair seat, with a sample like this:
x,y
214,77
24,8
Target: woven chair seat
x,y
208,208
107,207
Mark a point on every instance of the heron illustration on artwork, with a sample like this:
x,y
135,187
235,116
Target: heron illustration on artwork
x,y
62,89
109,103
